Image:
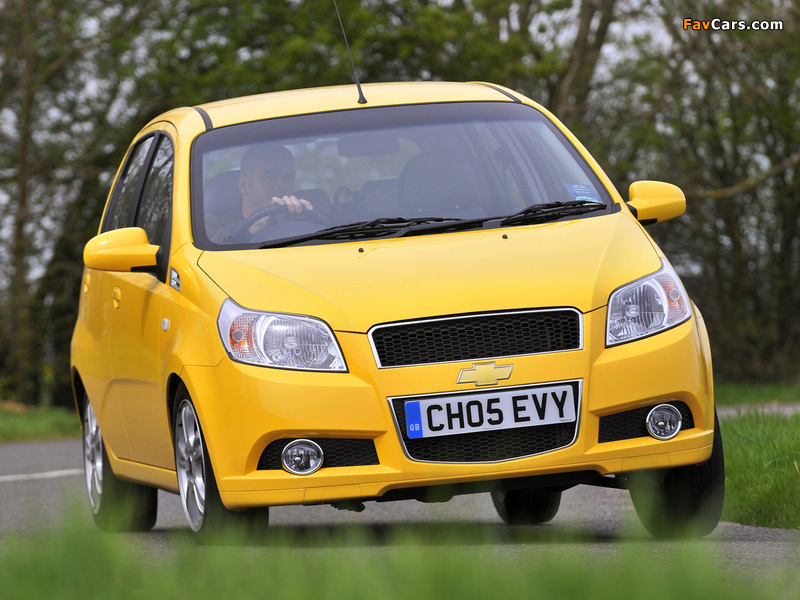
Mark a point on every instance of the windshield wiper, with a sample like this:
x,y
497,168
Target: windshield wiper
x,y
401,226
539,213
382,227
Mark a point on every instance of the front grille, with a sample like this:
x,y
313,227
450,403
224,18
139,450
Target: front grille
x,y
338,453
476,337
484,446
631,423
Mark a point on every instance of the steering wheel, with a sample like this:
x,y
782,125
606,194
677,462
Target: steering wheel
x,y
275,209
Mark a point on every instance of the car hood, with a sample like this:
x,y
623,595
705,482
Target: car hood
x,y
354,286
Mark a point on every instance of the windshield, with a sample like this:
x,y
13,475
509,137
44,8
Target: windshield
x,y
372,172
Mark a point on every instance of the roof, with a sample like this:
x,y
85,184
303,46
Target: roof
x,y
293,102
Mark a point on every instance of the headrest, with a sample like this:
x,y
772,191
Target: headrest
x,y
222,197
435,183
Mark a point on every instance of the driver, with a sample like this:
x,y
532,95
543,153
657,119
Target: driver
x,y
266,178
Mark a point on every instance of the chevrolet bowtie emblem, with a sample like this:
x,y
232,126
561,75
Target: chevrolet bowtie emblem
x,y
486,373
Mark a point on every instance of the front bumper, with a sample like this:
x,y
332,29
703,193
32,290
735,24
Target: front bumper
x,y
242,409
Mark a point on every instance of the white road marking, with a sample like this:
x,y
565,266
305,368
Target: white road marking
x,y
45,475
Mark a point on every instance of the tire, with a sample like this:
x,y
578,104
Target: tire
x,y
117,505
202,505
527,506
684,501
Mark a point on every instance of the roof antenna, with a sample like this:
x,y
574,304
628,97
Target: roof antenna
x,y
361,98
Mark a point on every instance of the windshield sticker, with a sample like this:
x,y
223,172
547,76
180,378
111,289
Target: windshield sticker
x,y
583,192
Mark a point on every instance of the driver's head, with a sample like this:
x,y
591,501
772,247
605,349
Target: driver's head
x,y
267,172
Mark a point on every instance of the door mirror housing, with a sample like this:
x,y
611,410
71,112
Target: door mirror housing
x,y
655,201
124,249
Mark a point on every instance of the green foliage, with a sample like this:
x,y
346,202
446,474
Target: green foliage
x,y
762,454
79,562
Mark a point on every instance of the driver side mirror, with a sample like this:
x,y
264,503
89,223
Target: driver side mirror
x,y
124,249
655,201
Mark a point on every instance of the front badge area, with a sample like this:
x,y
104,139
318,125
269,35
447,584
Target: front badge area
x,y
487,373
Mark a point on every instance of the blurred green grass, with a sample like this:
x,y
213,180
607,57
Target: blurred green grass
x,y
80,562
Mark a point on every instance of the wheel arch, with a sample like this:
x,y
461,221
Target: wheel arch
x,y
78,393
174,381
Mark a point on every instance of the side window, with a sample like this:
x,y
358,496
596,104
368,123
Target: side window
x,y
127,187
154,209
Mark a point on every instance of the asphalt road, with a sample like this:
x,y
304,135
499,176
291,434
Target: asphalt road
x,y
41,481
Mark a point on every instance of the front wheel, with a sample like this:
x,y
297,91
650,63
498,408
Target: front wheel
x,y
200,498
527,506
117,505
684,501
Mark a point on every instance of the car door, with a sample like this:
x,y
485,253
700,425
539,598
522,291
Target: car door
x,y
135,321
100,306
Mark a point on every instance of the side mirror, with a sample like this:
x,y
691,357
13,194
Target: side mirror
x,y
124,249
655,201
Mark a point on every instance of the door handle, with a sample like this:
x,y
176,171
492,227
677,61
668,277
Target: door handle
x,y
116,296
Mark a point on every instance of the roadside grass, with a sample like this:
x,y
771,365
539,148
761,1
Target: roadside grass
x,y
80,562
737,394
762,482
19,422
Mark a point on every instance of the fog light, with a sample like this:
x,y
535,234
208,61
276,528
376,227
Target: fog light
x,y
302,457
664,422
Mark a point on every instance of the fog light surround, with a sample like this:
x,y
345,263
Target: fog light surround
x,y
302,457
664,422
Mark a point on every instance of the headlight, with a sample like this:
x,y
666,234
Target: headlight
x,y
646,306
278,340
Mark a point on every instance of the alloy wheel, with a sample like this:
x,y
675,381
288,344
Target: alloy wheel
x,y
93,457
190,464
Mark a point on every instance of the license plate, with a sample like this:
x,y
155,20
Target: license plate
x,y
509,408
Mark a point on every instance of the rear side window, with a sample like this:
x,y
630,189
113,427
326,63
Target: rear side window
x,y
154,209
123,201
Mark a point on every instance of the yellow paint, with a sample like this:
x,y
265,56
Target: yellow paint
x,y
128,363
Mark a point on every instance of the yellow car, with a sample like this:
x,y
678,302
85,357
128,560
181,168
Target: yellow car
x,y
297,298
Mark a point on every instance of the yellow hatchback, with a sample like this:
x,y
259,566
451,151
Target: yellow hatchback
x,y
297,298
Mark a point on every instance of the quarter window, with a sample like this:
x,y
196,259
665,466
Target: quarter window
x,y
154,209
121,209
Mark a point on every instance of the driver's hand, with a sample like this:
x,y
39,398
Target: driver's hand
x,y
292,203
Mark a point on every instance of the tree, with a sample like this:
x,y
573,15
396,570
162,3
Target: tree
x,y
718,113
51,131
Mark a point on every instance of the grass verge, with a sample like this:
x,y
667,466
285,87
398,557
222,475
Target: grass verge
x,y
762,482
80,562
736,394
18,422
